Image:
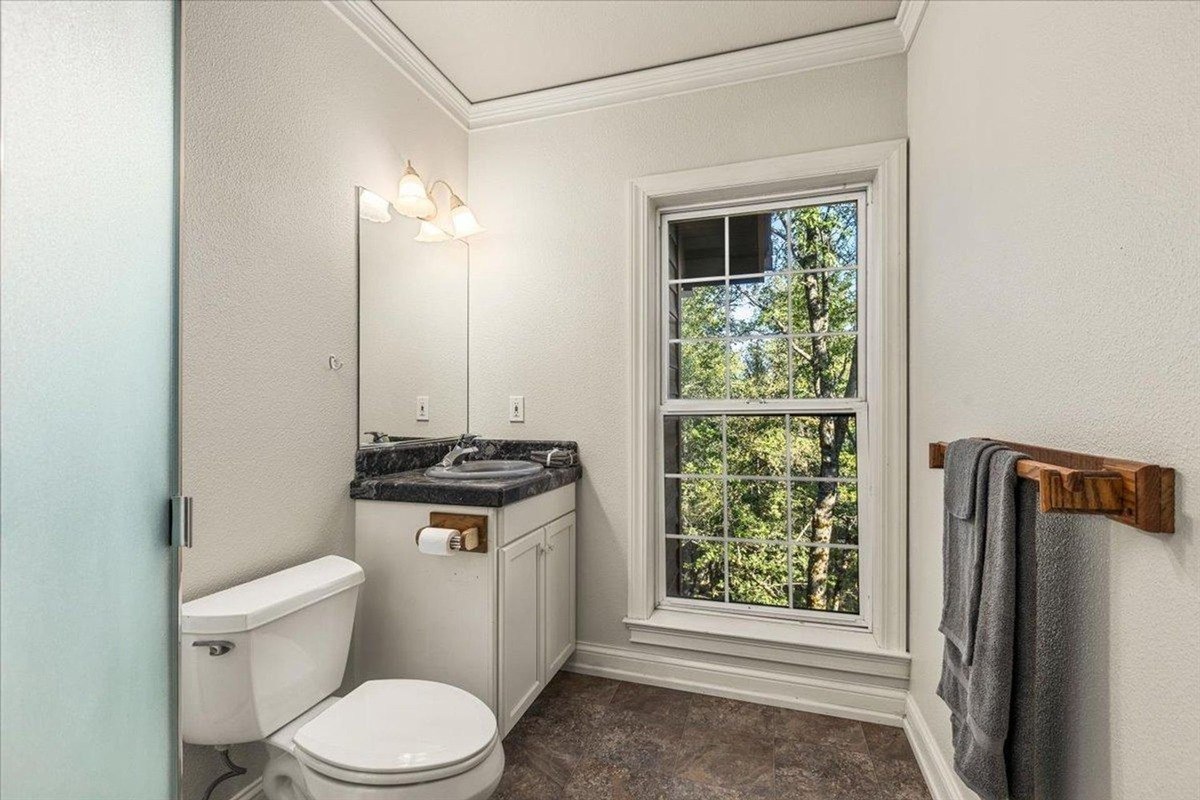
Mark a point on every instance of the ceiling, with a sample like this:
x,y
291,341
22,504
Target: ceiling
x,y
497,48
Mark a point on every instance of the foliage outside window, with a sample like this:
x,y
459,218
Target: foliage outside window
x,y
762,407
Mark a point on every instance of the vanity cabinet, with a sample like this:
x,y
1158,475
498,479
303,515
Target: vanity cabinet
x,y
498,624
537,614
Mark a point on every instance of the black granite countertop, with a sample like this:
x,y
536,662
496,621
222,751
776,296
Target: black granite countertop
x,y
415,487
396,472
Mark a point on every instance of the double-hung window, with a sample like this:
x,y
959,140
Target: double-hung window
x,y
763,410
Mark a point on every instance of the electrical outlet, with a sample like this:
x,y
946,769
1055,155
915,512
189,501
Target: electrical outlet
x,y
422,408
516,408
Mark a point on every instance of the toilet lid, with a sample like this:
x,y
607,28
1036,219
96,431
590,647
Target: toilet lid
x,y
399,726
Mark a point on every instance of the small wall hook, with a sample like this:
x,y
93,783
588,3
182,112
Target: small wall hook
x,y
335,363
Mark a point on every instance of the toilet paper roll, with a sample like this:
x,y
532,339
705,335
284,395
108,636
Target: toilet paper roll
x,y
436,541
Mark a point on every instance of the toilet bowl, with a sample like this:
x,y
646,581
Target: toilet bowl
x,y
260,662
388,740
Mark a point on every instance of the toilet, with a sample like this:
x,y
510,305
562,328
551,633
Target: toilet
x,y
261,662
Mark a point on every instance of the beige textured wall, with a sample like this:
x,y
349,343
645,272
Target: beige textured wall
x,y
548,280
285,110
1054,168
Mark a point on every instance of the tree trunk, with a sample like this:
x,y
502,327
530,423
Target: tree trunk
x,y
815,249
816,295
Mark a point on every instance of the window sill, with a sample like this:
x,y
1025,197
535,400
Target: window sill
x,y
788,642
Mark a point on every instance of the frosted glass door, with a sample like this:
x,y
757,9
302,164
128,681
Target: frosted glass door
x,y
88,451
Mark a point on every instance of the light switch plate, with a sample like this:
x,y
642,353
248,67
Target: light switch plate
x,y
422,408
516,408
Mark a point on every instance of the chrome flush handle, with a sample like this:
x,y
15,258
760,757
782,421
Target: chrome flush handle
x,y
216,647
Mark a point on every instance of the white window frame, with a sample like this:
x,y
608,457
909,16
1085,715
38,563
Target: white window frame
x,y
857,406
875,643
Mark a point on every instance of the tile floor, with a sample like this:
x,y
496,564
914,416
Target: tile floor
x,y
592,738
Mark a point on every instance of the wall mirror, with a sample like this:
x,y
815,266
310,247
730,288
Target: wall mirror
x,y
412,329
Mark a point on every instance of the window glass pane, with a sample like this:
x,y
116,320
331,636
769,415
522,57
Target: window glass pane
x,y
823,236
825,366
759,305
759,369
698,248
825,301
763,306
824,446
826,579
692,445
758,574
695,569
758,243
757,445
824,511
695,507
701,370
697,310
758,509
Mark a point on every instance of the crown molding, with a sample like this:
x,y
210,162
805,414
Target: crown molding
x,y
908,19
373,25
859,43
755,63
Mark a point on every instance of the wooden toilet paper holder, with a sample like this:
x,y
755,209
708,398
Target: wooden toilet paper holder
x,y
472,530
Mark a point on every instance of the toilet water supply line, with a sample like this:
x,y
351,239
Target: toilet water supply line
x,y
234,771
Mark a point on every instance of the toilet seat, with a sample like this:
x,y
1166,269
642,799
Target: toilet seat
x,y
397,732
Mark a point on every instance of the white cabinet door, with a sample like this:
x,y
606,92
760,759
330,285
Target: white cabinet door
x,y
522,601
560,593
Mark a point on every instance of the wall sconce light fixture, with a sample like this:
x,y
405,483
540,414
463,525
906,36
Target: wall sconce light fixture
x,y
414,199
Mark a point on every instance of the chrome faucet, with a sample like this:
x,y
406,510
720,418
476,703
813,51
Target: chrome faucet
x,y
457,455
377,437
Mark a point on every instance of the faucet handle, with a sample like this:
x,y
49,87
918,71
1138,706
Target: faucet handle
x,y
376,436
467,439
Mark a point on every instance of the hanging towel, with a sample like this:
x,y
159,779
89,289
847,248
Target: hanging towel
x,y
1023,750
966,472
979,691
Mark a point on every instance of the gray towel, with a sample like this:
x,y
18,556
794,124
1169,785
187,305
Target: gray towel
x,y
979,691
967,472
1022,752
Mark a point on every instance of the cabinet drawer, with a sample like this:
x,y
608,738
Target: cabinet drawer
x,y
521,518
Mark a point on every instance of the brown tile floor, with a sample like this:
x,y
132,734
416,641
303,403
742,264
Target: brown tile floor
x,y
596,739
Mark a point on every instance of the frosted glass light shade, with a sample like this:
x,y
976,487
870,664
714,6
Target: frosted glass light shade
x,y
462,219
373,208
431,233
411,198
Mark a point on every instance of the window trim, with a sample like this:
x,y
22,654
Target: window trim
x,y
881,168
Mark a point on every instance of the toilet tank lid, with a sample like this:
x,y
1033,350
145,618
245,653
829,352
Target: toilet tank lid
x,y
248,605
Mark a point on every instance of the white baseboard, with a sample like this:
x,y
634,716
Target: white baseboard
x,y
865,702
251,791
937,771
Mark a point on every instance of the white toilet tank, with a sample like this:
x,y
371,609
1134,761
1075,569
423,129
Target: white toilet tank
x,y
278,646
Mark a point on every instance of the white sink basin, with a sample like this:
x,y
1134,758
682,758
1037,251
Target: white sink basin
x,y
471,470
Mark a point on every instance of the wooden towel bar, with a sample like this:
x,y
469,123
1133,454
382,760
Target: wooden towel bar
x,y
1130,492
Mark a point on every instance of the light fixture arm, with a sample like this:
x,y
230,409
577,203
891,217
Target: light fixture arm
x,y
455,200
